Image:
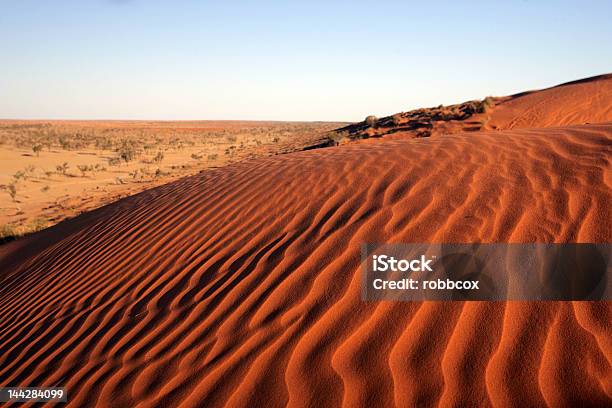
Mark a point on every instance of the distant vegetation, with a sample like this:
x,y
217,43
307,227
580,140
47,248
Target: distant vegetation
x,y
131,140
420,122
113,158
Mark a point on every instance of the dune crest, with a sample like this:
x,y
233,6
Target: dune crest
x,y
574,103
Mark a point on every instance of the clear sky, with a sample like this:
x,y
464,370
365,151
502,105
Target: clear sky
x,y
286,60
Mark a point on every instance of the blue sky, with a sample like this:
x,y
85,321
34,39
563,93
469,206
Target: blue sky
x,y
328,60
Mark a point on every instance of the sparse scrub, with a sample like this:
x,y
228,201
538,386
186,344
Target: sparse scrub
x,y
159,157
64,143
8,232
11,231
104,143
62,168
127,151
37,224
122,142
114,161
83,168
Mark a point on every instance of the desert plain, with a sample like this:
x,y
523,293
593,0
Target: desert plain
x,y
53,170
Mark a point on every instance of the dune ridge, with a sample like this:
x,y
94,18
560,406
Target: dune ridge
x,y
573,103
240,285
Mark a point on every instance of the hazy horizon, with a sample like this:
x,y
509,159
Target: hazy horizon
x,y
341,61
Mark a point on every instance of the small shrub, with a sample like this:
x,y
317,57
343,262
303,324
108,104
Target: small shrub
x,y
487,104
37,148
65,143
83,168
371,120
62,168
127,152
20,175
339,138
12,190
158,157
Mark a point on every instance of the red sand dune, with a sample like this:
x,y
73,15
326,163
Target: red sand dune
x,y
574,103
240,285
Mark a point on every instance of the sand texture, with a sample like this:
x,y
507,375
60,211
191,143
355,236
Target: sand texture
x,y
239,286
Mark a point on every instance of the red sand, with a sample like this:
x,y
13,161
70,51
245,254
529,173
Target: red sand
x,y
575,103
240,285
